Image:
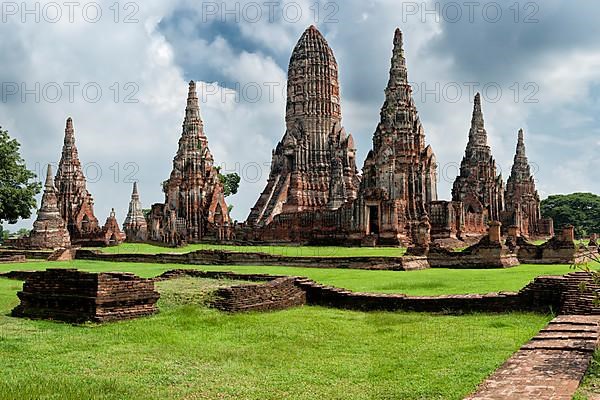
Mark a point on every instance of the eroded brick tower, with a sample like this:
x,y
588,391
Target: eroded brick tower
x,y
478,186
75,203
49,229
399,174
195,207
522,199
313,166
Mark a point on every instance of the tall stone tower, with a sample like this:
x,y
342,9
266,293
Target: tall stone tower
x,y
522,199
399,175
478,186
135,225
49,229
313,166
195,207
75,203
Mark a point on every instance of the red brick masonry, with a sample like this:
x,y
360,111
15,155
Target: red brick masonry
x,y
550,366
75,296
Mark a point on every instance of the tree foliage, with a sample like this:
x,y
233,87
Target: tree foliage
x,y
4,234
17,189
582,210
231,183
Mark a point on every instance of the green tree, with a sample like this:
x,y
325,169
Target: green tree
x,y
231,183
4,234
17,189
582,210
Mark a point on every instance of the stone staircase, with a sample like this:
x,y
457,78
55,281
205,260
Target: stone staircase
x,y
550,366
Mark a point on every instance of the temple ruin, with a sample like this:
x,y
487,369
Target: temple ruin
x,y
49,229
75,203
313,167
399,175
135,225
479,187
194,209
522,199
314,195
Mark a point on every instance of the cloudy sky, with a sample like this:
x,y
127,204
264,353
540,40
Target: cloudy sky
x,y
120,70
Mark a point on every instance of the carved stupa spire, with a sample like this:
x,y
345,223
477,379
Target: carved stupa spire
x,y
520,167
479,186
49,229
194,207
522,199
477,133
74,201
399,112
49,184
400,169
302,162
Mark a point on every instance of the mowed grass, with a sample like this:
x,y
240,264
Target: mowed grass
x,y
590,386
421,283
188,351
291,251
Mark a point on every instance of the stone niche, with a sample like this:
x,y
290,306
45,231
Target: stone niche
x,y
74,296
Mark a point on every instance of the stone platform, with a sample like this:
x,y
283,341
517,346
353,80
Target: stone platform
x,y
548,367
74,296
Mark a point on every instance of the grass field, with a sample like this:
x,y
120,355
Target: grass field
x,y
425,282
188,351
590,387
292,251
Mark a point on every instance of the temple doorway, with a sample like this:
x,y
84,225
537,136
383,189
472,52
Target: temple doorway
x,y
373,220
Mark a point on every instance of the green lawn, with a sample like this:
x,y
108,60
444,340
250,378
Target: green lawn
x,y
192,352
292,251
425,282
590,387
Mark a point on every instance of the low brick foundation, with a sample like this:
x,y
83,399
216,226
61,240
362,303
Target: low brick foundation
x,y
544,294
75,296
219,257
12,259
277,294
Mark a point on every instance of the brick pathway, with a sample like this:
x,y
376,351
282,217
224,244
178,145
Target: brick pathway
x,y
548,367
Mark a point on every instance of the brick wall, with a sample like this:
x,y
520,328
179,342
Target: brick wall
x,y
76,296
219,257
277,294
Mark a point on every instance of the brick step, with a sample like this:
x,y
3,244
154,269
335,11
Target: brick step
x,y
576,320
567,344
566,335
570,328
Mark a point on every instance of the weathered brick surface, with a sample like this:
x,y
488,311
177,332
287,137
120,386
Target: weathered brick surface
x,y
76,296
278,294
549,367
275,292
220,257
12,259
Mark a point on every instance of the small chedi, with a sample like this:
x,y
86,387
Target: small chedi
x,y
135,225
49,229
111,233
522,199
194,208
313,167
